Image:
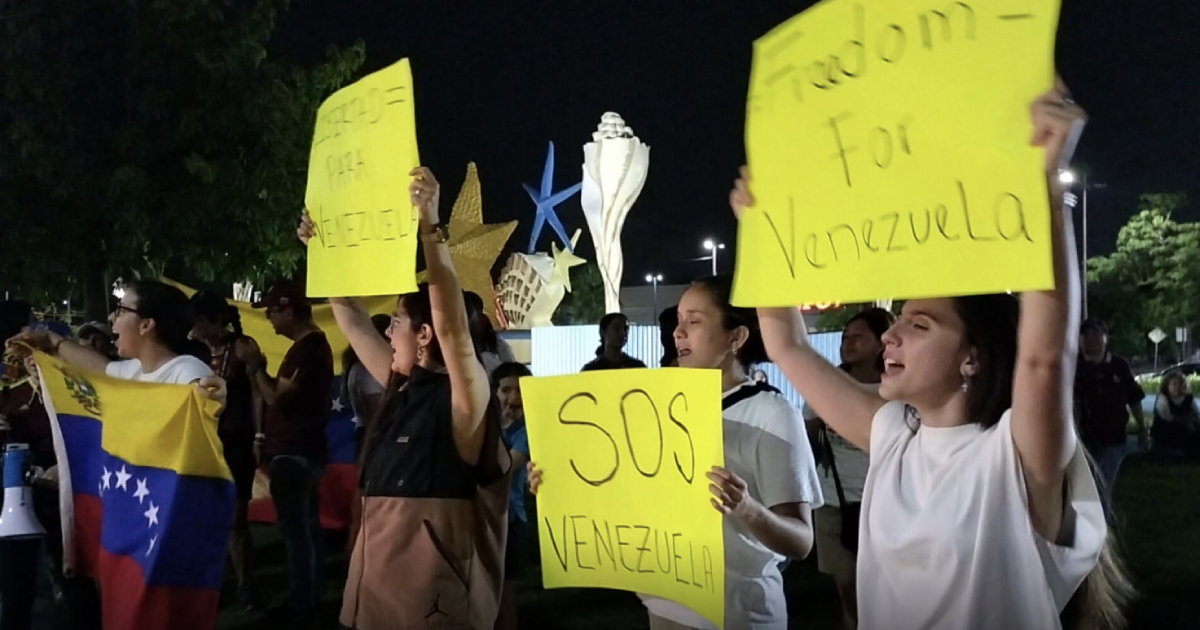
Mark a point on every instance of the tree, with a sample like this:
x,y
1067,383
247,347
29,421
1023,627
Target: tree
x,y
834,319
1152,279
585,303
150,135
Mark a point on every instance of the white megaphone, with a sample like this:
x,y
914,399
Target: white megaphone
x,y
17,519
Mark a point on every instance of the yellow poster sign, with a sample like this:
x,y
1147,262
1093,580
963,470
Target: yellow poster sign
x,y
624,502
888,143
363,149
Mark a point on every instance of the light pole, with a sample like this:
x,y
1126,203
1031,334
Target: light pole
x,y
1068,177
654,279
713,246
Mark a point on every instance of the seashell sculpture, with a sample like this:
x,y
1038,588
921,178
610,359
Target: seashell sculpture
x,y
533,285
615,164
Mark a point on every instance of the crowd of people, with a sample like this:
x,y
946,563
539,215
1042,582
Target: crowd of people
x,y
942,471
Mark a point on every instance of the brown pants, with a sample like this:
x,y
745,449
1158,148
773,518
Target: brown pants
x,y
658,623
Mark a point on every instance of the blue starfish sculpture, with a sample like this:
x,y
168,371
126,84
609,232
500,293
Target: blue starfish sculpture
x,y
546,200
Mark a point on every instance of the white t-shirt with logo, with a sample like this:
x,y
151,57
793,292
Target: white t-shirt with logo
x,y
852,462
946,542
767,446
182,370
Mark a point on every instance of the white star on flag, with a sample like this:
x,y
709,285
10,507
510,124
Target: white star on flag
x,y
152,514
142,491
105,479
337,404
123,479
153,539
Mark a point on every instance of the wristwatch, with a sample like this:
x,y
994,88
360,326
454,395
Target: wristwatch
x,y
436,234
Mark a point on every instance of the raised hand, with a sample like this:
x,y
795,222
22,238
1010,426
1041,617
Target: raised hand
x,y
425,193
307,229
740,197
1058,122
41,339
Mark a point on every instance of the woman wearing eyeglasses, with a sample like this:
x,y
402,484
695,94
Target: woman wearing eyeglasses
x,y
151,324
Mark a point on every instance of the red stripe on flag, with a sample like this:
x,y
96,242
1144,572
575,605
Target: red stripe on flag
x,y
337,495
89,514
128,604
337,491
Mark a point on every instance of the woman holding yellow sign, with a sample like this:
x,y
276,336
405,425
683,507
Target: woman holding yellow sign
x,y
434,468
767,489
980,510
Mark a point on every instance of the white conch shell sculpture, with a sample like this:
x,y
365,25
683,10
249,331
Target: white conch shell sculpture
x,y
533,285
615,164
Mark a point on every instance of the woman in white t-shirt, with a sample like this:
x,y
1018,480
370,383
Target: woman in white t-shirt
x,y
980,510
844,466
768,488
151,323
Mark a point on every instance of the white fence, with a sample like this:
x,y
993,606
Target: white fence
x,y
558,350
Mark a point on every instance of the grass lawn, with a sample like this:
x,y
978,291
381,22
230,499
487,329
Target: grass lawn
x,y
1157,503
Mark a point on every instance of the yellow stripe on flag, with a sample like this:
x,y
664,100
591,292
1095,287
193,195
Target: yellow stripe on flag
x,y
172,427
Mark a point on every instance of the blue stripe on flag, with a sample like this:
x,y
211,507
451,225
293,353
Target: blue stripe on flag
x,y
81,436
176,526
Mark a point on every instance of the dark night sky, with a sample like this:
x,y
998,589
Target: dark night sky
x,y
495,81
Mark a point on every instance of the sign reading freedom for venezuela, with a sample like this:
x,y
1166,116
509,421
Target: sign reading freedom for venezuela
x,y
888,143
624,501
363,149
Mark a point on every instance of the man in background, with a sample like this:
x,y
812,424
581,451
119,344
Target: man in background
x,y
1106,393
292,443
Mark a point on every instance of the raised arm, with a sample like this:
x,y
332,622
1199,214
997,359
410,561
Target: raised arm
x,y
836,397
469,387
75,354
355,321
373,351
1047,339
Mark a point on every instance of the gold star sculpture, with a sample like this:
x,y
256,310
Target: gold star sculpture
x,y
564,260
474,245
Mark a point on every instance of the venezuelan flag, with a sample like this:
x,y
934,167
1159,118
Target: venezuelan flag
x,y
147,499
337,488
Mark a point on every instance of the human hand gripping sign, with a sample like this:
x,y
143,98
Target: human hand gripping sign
x,y
1058,122
424,193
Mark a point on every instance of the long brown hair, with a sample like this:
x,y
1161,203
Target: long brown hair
x,y
419,308
1100,602
990,323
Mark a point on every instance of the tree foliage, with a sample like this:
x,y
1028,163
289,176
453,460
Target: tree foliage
x,y
834,319
154,134
1151,280
585,303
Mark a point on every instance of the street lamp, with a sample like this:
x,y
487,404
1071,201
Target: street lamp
x,y
1067,178
118,289
654,279
713,246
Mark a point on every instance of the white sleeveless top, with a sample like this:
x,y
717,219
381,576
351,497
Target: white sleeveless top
x,y
946,541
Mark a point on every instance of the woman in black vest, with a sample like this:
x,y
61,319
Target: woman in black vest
x,y
435,471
